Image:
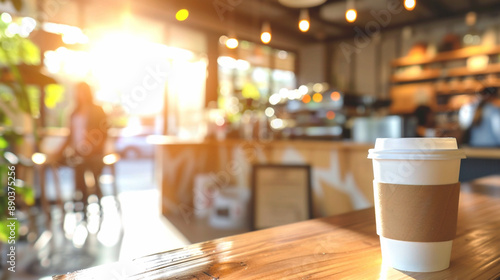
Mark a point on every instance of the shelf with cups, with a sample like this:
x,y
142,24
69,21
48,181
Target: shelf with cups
x,y
462,53
432,74
445,80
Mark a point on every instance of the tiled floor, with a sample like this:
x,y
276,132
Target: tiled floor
x,y
133,230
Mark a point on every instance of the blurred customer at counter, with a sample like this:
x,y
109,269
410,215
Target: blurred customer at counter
x,y
425,121
481,119
84,147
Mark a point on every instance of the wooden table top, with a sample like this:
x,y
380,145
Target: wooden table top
x,y
338,247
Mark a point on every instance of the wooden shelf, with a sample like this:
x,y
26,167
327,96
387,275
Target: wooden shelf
x,y
463,71
430,74
427,74
405,86
445,56
454,92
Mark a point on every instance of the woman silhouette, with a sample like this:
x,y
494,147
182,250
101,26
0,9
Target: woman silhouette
x,y
83,149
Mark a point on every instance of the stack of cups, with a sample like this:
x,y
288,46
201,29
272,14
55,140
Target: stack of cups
x,y
416,191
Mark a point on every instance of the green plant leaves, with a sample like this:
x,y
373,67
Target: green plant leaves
x,y
29,52
9,229
54,94
6,228
3,143
27,193
33,94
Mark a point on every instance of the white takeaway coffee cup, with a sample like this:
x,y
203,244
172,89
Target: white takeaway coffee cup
x,y
416,177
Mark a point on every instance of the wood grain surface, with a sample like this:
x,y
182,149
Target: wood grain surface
x,y
338,247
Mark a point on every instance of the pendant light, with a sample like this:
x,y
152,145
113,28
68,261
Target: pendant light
x,y
304,20
265,34
351,14
232,42
410,4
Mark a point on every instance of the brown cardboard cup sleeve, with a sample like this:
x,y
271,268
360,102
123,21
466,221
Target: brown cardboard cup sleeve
x,y
419,213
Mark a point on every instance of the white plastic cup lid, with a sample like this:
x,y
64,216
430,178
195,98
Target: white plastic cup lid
x,y
443,148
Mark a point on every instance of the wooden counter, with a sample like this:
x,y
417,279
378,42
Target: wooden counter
x,y
339,247
341,176
341,173
480,162
485,153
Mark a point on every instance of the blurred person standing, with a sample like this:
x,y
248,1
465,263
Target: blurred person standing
x,y
481,119
425,121
83,149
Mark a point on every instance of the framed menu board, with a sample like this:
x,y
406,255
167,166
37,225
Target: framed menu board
x,y
281,194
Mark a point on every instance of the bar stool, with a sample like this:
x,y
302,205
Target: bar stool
x,y
39,159
41,166
110,161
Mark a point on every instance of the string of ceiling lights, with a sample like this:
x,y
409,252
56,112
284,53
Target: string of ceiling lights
x,y
304,23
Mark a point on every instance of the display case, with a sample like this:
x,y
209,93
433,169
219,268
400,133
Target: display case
x,y
305,113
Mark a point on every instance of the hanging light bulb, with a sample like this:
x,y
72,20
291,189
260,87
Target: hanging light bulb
x,y
350,14
410,4
265,35
304,20
232,42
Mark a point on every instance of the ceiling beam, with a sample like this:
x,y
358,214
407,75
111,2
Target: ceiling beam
x,y
491,9
319,27
286,25
247,19
204,17
474,5
437,7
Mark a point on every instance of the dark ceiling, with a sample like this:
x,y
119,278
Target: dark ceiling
x,y
245,17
